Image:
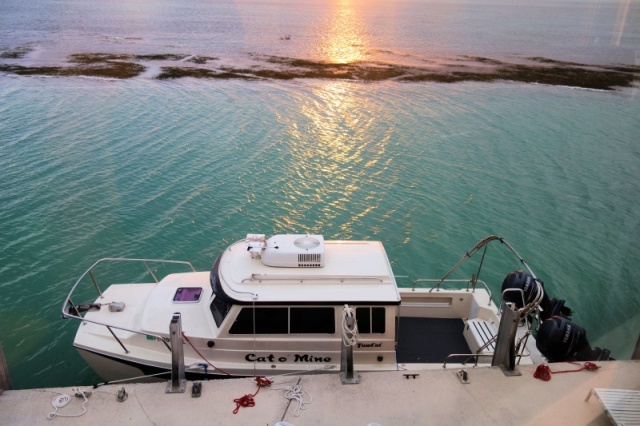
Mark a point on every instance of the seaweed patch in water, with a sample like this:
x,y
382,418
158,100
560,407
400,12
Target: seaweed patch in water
x,y
201,60
448,70
543,60
160,57
292,68
120,70
557,74
180,72
449,77
17,53
602,79
481,59
474,68
95,58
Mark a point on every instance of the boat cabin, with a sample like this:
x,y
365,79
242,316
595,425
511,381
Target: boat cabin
x,y
293,288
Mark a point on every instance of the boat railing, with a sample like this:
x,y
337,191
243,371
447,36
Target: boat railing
x,y
302,278
468,356
527,307
521,351
74,311
468,285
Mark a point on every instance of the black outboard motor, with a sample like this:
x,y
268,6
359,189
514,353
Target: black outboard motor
x,y
560,340
521,280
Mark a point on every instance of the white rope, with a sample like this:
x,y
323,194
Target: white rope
x,y
62,400
349,333
298,394
525,310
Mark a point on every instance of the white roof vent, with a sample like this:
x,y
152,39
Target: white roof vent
x,y
307,242
294,251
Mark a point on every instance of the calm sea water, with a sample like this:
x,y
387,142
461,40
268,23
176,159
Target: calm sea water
x,y
178,169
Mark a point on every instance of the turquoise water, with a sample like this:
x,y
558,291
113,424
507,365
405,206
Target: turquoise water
x,y
178,169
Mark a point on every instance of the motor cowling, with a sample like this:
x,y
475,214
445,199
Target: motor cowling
x,y
529,291
525,283
559,339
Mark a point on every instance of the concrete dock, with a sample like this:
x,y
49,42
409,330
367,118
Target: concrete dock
x,y
433,397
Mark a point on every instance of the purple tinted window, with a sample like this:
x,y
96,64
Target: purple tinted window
x,y
187,294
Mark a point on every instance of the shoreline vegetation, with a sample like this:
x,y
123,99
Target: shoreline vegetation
x,y
465,68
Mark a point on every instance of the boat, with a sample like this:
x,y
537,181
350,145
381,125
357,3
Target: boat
x,y
300,304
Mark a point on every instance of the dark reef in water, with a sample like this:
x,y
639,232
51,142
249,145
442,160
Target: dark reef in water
x,y
105,65
465,68
17,53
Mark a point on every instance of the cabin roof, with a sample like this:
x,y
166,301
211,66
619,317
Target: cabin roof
x,y
353,271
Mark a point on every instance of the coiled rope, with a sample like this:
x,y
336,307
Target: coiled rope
x,y
543,372
248,400
296,393
62,400
349,332
535,303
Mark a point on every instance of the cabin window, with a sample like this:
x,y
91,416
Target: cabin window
x,y
220,309
313,320
307,320
265,321
370,320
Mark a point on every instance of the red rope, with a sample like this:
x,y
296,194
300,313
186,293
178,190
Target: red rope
x,y
247,400
201,356
543,372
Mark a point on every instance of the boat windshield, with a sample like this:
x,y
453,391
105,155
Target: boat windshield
x,y
221,303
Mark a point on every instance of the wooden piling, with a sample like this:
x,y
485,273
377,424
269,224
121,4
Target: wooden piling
x,y
5,380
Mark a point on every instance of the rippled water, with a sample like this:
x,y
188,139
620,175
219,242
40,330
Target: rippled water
x,y
417,31
179,169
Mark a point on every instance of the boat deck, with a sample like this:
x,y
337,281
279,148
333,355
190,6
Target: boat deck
x,y
386,398
430,340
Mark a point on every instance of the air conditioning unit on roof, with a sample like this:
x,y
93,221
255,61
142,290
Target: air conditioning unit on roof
x,y
294,251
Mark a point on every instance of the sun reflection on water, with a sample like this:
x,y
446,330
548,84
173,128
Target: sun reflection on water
x,y
338,144
345,38
338,151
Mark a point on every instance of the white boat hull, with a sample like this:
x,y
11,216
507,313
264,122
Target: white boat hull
x,y
248,318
